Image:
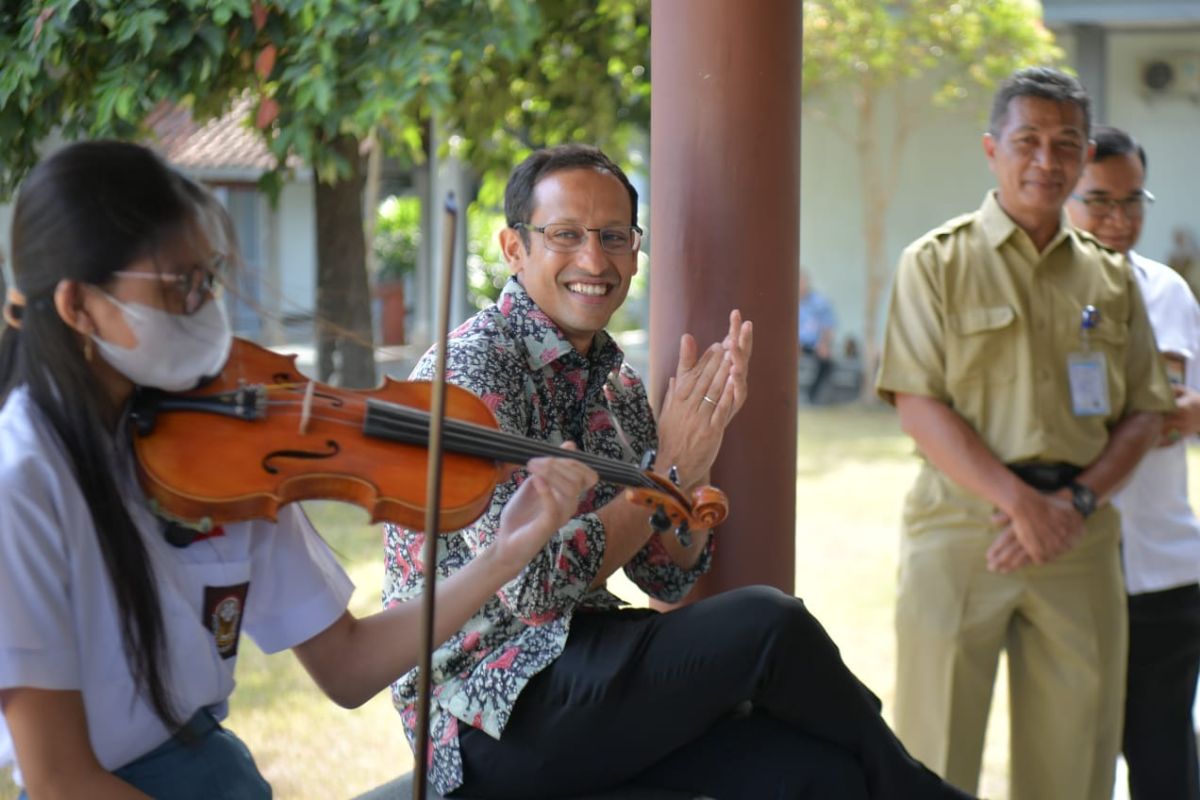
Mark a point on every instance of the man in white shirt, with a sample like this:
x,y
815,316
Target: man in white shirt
x,y
1160,532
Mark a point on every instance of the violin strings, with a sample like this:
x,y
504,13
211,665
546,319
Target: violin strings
x,y
497,445
483,441
412,426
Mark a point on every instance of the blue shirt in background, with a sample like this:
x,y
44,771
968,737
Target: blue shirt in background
x,y
816,316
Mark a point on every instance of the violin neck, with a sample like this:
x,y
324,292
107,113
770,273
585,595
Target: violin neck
x,y
407,425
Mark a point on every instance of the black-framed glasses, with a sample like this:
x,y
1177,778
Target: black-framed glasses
x,y
1134,206
192,287
568,237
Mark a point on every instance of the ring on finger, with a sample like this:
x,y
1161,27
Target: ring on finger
x,y
708,399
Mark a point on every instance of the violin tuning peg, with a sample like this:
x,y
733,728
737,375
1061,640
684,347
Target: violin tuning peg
x,y
673,474
659,520
648,459
683,535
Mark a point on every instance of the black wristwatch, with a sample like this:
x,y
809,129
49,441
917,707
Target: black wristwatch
x,y
1083,498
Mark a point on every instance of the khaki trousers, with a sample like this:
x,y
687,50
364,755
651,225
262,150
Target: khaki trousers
x,y
1063,625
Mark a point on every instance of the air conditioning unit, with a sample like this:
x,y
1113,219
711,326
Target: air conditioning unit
x,y
1175,75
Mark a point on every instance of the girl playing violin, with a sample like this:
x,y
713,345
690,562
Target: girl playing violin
x,y
117,647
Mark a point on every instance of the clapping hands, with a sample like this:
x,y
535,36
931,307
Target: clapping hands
x,y
705,394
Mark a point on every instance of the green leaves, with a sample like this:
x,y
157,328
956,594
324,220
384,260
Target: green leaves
x,y
397,237
97,68
583,78
968,46
507,74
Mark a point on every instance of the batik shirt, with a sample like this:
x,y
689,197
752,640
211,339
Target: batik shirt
x,y
538,386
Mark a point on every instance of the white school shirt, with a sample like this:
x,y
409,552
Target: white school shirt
x,y
1160,543
59,627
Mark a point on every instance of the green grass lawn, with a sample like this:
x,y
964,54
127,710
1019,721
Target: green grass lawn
x,y
853,469
306,746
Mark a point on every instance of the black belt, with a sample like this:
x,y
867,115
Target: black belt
x,y
1046,476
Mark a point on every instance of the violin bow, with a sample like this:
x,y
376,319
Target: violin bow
x,y
433,482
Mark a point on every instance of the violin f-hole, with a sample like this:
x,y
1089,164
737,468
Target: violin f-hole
x,y
333,450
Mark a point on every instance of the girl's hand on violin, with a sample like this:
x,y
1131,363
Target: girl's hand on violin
x,y
547,499
703,397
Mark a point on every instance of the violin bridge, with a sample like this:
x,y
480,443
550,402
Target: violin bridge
x,y
306,407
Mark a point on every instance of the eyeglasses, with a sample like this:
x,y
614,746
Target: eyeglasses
x,y
1134,206
192,287
568,237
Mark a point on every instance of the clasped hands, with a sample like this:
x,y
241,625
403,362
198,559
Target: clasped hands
x,y
707,391
1041,527
1184,421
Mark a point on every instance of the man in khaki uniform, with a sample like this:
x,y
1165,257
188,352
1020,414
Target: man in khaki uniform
x,y
1020,359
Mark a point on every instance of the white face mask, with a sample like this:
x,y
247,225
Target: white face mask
x,y
173,351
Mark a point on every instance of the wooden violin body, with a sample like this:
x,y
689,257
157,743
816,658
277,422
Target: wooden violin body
x,y
261,435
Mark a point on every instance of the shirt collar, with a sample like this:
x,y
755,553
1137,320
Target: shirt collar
x,y
998,226
1135,259
544,341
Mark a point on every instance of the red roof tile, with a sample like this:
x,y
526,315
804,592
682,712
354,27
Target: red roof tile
x,y
224,143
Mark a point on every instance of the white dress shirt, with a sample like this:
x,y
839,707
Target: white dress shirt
x,y
59,625
1160,533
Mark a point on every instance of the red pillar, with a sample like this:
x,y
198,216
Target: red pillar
x,y
725,224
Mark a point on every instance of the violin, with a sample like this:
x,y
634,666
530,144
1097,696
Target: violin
x,y
261,435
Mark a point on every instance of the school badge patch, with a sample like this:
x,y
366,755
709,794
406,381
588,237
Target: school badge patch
x,y
222,615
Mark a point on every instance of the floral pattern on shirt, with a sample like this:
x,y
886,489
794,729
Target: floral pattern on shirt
x,y
518,361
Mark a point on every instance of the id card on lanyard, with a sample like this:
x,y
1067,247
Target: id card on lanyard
x,y
1087,371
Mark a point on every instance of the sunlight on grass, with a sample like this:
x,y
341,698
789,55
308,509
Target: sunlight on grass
x,y
853,469
830,436
306,746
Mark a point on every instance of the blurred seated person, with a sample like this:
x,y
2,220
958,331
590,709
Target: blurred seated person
x,y
817,322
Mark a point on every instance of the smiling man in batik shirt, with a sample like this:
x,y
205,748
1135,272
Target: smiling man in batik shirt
x,y
552,688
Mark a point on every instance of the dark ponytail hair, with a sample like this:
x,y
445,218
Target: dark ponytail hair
x,y
87,211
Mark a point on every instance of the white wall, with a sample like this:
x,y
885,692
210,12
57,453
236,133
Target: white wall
x,y
942,174
1169,129
297,240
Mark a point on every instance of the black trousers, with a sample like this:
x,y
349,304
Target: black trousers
x,y
651,699
1164,661
824,370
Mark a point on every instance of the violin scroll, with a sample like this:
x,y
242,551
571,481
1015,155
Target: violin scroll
x,y
707,508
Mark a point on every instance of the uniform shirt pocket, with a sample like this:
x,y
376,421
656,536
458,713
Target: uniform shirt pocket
x,y
981,345
1112,333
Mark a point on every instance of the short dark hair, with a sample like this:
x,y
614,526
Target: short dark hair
x,y
1112,141
1044,82
518,194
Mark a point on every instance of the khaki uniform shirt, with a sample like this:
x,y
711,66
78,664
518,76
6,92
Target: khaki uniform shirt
x,y
984,323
